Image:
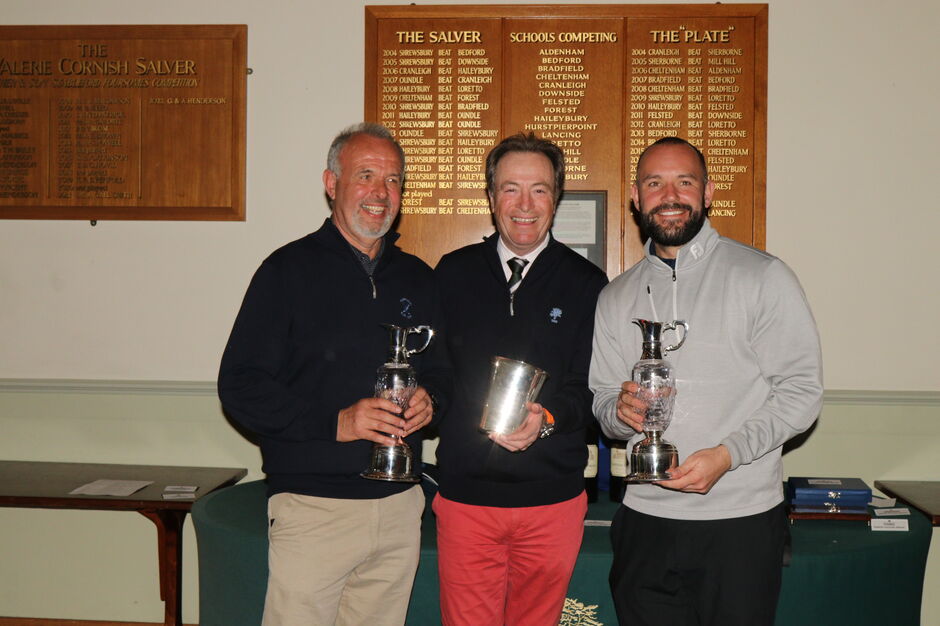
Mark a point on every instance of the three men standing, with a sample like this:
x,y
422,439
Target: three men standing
x,y
704,547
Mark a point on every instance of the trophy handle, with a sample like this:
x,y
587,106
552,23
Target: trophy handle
x,y
672,326
417,330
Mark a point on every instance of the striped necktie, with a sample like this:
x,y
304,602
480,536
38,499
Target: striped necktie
x,y
516,265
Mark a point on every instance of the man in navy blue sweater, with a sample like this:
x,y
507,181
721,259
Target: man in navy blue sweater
x,y
510,510
298,373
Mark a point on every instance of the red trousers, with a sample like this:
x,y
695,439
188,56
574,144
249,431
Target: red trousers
x,y
506,566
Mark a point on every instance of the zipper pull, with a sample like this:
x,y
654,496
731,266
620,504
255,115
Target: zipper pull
x,y
375,293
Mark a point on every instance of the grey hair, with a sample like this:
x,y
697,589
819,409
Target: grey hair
x,y
365,128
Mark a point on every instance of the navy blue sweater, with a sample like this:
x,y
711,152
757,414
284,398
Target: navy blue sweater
x,y
306,343
552,329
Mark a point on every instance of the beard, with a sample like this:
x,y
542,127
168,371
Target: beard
x,y
361,228
678,235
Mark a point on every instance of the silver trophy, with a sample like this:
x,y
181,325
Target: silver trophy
x,y
653,457
512,385
396,381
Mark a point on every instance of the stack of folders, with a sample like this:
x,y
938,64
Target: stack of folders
x,y
829,498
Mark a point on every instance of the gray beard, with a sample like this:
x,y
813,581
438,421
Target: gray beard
x,y
370,233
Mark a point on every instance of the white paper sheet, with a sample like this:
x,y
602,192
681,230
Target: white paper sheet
x,y
110,487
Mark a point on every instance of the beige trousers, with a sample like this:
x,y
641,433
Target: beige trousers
x,y
344,562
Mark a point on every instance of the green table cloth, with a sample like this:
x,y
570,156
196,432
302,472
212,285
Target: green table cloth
x,y
841,572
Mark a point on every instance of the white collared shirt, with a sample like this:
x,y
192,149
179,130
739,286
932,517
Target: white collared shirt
x,y
505,254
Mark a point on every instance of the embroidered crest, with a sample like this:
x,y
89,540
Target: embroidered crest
x,y
576,613
555,314
406,308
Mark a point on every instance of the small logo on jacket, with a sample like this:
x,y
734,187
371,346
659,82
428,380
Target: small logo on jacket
x,y
406,308
555,314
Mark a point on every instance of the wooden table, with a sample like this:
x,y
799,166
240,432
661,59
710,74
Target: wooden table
x,y
42,485
923,495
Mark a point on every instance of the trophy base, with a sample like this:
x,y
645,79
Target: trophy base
x,y
392,463
391,477
646,478
652,459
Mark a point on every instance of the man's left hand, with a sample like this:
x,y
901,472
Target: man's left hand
x,y
419,411
524,435
700,471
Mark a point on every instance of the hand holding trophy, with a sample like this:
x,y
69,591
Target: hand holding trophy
x,y
396,381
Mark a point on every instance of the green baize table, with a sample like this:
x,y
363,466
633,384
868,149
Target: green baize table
x,y
841,572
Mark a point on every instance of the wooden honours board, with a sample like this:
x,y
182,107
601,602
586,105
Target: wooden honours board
x,y
602,81
122,122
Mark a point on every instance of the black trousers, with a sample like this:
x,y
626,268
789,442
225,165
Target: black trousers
x,y
669,572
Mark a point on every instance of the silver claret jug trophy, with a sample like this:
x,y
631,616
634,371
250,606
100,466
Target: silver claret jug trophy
x,y
653,457
396,381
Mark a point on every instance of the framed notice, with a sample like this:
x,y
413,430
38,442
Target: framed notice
x,y
580,224
123,122
601,81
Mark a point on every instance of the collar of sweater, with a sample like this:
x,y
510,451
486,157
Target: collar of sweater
x,y
329,237
545,260
691,254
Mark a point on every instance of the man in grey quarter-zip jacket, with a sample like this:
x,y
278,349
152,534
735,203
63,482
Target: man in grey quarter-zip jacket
x,y
299,373
704,547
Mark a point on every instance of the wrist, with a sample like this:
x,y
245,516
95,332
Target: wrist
x,y
548,424
725,456
435,407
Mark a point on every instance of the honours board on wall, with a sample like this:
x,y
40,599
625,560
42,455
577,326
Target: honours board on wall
x,y
122,122
602,81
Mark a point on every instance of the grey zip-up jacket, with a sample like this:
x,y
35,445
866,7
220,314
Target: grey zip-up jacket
x,y
749,375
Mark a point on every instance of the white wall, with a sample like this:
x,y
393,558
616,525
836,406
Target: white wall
x,y
852,149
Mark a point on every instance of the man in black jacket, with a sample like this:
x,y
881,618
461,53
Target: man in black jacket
x,y
510,509
299,372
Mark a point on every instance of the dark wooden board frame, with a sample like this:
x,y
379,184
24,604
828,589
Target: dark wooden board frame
x,y
623,244
187,163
